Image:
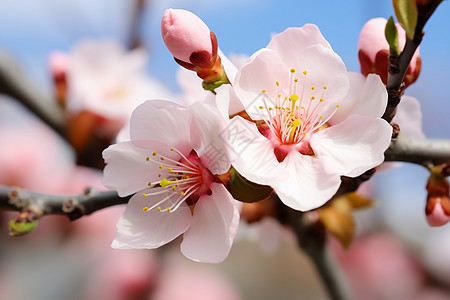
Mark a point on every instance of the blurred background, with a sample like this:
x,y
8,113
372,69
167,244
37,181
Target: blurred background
x,y
396,255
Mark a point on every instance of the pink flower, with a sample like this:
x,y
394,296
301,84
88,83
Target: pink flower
x,y
373,51
187,37
109,82
169,165
318,121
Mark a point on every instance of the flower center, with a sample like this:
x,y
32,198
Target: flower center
x,y
294,115
184,180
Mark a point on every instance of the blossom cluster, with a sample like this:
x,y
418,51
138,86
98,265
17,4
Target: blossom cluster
x,y
290,117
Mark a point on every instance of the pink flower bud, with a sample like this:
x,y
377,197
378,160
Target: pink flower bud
x,y
188,38
373,51
436,211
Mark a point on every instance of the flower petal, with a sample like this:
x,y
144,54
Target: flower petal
x,y
137,229
262,72
306,185
127,158
353,146
292,40
207,139
366,97
255,158
213,228
409,117
163,121
326,75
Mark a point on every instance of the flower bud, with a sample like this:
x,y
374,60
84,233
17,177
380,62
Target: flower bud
x,y
59,64
193,45
188,38
373,51
437,209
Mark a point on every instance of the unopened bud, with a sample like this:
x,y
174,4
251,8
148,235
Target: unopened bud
x,y
437,209
373,51
193,45
59,64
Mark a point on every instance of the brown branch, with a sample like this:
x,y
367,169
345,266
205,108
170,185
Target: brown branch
x,y
14,83
71,206
398,66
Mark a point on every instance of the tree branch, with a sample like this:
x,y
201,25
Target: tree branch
x,y
14,83
423,152
71,206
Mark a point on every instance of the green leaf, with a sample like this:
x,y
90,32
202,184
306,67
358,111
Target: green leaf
x,y
391,35
406,13
246,191
18,228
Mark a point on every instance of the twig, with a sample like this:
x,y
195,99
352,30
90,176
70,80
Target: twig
x,y
419,151
14,83
71,206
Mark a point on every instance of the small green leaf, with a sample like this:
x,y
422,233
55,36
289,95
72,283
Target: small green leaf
x,y
246,191
406,13
391,34
18,228
211,86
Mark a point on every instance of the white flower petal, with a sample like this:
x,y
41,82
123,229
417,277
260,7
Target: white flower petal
x,y
409,117
127,170
164,121
353,146
207,137
288,43
262,72
255,159
213,228
137,229
366,97
326,75
306,185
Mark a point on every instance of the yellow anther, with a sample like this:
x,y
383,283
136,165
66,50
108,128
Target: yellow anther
x,y
321,99
154,153
325,87
160,166
159,208
270,108
147,158
174,187
312,97
164,182
144,194
146,209
321,117
296,80
162,158
149,183
285,98
168,209
294,97
279,95
313,88
171,149
292,70
159,175
169,169
183,193
304,133
277,83
261,107
264,91
304,72
337,105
